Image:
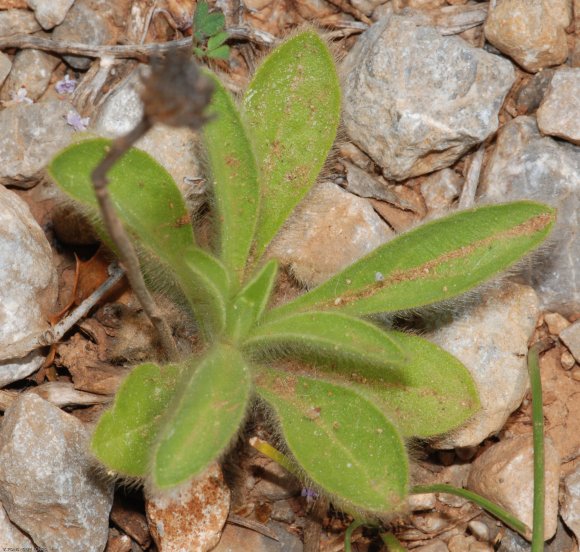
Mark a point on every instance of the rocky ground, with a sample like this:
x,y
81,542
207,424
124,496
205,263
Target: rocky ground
x,y
447,104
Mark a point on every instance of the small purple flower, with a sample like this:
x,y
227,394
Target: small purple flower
x,y
76,121
66,85
310,494
21,96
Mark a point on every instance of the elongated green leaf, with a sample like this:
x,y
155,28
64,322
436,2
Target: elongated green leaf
x,y
145,195
431,394
205,283
123,437
235,179
329,338
202,418
434,262
250,303
292,110
344,443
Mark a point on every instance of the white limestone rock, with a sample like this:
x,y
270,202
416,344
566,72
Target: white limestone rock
x,y
29,284
491,339
416,101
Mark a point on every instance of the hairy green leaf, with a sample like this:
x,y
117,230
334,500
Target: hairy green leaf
x,y
235,179
434,262
292,110
205,283
202,418
431,394
344,443
249,305
145,195
329,338
124,435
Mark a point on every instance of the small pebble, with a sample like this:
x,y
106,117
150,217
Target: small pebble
x,y
479,530
555,322
421,502
567,360
576,373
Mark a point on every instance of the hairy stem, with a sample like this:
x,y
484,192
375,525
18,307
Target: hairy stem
x,y
126,252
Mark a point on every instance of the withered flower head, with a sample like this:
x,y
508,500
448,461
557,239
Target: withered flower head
x,y
175,92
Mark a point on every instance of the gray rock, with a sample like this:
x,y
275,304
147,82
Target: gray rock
x,y
526,31
5,66
30,135
559,114
441,189
531,95
491,340
416,101
31,69
362,184
330,230
235,538
17,21
11,538
570,336
570,509
190,517
47,481
50,13
29,284
175,148
89,22
527,165
504,475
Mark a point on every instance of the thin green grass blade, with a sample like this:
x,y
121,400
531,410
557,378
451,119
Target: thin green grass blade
x,y
482,502
235,179
328,338
539,453
435,262
124,434
291,109
203,417
145,195
343,442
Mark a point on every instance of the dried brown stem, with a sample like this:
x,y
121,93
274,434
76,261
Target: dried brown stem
x,y
126,252
346,7
127,51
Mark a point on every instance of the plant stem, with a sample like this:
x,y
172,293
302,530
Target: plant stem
x,y
274,454
539,459
487,505
348,534
393,544
126,252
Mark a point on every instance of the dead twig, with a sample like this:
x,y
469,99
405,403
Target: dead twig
x,y
174,93
253,525
142,52
55,334
346,7
120,238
